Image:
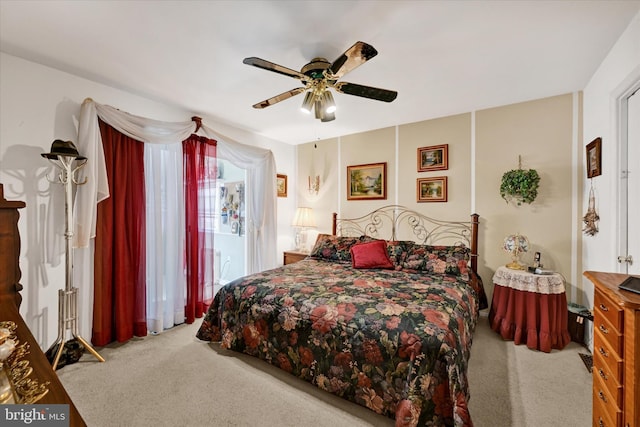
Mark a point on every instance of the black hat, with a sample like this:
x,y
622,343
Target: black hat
x,y
63,148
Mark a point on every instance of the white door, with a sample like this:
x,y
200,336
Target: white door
x,y
630,259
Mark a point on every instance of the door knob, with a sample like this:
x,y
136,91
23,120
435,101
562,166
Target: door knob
x,y
627,259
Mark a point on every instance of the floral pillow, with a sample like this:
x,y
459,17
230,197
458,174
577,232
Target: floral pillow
x,y
334,248
397,250
438,259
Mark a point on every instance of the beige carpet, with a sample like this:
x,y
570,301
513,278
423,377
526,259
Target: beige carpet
x,y
173,379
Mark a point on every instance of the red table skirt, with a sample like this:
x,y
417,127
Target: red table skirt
x,y
539,320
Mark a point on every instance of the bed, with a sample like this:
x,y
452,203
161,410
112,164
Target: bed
x,y
386,323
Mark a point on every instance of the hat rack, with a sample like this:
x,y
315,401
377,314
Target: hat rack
x,y
64,155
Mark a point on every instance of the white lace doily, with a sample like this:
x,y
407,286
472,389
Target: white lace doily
x,y
525,281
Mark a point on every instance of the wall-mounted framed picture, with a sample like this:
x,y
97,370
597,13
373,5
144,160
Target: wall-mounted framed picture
x,y
367,182
431,189
433,158
281,181
594,158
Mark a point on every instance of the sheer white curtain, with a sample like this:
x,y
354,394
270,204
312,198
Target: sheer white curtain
x,y
166,279
261,198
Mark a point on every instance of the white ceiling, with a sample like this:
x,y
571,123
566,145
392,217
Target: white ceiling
x,y
443,57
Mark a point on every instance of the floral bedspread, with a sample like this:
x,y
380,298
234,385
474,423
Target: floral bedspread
x,y
396,342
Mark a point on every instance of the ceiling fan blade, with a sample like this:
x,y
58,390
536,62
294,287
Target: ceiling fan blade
x,y
366,91
275,99
270,66
352,58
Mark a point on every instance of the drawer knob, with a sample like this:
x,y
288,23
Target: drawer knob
x,y
600,422
604,329
602,396
603,352
602,374
604,307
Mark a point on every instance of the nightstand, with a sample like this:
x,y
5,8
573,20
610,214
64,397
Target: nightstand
x,y
530,309
292,256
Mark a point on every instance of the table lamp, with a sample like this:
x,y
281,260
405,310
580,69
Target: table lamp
x,y
303,220
516,244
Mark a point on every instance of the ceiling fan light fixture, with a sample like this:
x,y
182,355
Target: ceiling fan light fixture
x,y
320,75
327,117
318,107
307,104
329,105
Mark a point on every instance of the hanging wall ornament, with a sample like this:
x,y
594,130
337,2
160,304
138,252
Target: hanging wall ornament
x,y
591,217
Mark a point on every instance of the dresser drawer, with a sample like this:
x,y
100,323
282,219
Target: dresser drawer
x,y
609,333
601,418
605,307
611,380
608,356
604,404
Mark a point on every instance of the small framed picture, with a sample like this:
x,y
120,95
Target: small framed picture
x,y
282,185
433,158
432,189
594,158
367,182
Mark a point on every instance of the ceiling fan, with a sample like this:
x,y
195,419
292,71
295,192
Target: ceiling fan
x,y
319,75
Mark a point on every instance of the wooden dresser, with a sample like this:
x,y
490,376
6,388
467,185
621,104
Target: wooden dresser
x,y
9,308
616,348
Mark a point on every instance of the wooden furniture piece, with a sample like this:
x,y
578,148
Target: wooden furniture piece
x,y
9,307
10,286
616,345
292,256
530,308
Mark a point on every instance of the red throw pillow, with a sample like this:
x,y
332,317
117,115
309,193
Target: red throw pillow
x,y
370,255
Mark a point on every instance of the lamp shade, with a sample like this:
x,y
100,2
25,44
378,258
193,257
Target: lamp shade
x,y
307,104
329,103
304,218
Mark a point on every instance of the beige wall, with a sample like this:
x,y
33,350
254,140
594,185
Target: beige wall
x,y
319,159
454,131
482,146
364,148
540,132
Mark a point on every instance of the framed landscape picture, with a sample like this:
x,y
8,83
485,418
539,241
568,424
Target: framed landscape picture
x,y
433,158
432,189
594,158
367,182
281,182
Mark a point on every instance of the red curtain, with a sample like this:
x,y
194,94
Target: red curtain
x,y
119,307
199,169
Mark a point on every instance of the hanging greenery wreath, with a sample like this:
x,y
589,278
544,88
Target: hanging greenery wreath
x,y
520,185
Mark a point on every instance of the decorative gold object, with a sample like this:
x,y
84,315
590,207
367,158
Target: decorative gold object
x,y
15,384
516,244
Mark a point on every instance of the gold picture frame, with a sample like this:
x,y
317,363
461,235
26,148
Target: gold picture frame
x,y
281,183
367,182
432,189
433,158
